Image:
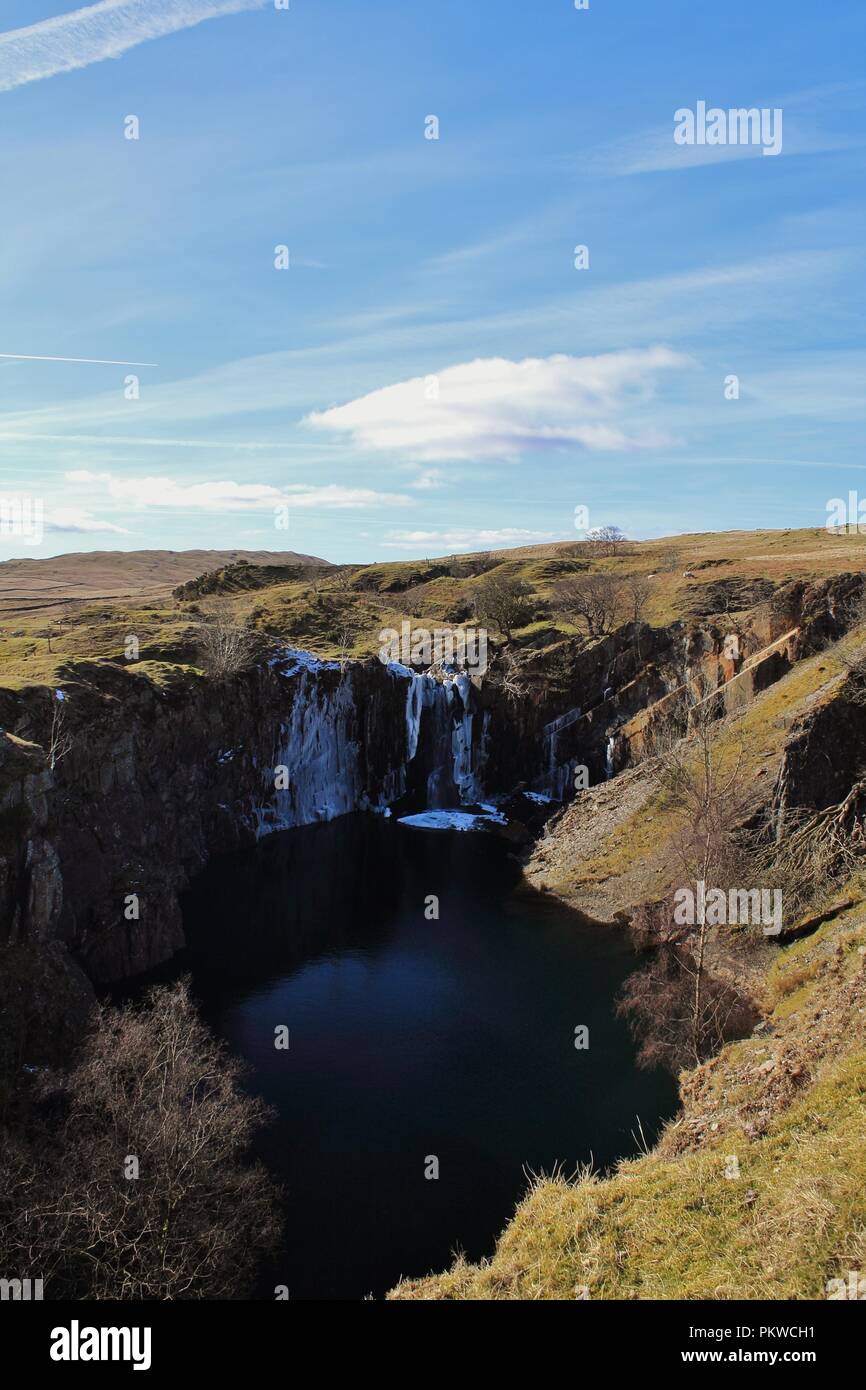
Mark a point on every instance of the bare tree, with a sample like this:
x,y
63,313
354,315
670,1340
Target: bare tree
x,y
314,575
59,739
636,593
805,848
503,599
680,1005
606,540
138,1187
592,601
348,630
658,1002
508,677
224,645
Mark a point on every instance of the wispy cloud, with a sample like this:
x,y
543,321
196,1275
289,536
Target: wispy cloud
x,y
465,539
96,32
493,407
225,495
480,250
79,522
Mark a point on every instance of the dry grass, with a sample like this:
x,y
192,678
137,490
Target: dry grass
x,y
85,605
671,1224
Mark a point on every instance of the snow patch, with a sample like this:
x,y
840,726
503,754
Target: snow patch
x,y
451,820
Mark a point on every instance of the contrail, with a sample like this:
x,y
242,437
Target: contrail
x,y
97,361
104,30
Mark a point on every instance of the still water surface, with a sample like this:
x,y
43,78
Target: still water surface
x,y
411,1038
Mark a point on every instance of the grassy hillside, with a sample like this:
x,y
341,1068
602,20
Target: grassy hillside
x,y
340,610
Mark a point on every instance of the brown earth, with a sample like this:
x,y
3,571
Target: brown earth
x,y
63,583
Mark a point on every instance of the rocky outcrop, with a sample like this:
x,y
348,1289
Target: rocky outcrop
x,y
823,758
728,666
571,694
726,596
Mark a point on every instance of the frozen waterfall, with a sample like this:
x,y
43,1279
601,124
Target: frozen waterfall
x,y
320,770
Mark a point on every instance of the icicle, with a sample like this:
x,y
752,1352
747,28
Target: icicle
x,y
609,768
556,780
322,762
325,767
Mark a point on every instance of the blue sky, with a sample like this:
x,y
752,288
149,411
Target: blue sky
x,y
432,373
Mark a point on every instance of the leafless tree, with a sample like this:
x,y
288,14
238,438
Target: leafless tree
x,y
224,645
606,540
658,1002
314,575
503,599
508,677
686,1000
348,631
59,739
594,602
636,593
139,1187
805,848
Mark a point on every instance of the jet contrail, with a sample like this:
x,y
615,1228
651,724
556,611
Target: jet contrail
x,y
97,361
107,29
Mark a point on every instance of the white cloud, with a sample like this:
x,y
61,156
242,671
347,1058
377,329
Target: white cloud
x,y
80,522
341,497
225,495
96,32
493,407
451,541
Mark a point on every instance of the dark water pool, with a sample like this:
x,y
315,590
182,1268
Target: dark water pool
x,y
411,1039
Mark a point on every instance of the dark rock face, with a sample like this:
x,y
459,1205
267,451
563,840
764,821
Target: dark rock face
x,y
45,1004
726,596
823,757
157,779
828,609
574,693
